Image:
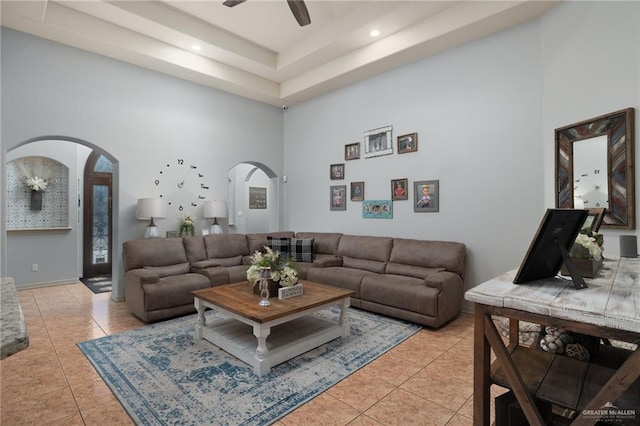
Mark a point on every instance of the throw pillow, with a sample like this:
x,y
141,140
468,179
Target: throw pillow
x,y
301,249
279,244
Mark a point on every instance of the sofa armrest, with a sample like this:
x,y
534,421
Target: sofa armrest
x,y
134,295
326,262
443,279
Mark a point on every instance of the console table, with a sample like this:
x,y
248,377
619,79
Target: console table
x,y
609,308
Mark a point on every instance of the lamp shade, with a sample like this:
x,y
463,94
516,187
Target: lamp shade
x,y
214,209
149,208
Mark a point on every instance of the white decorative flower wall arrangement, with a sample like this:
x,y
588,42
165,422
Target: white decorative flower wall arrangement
x,y
43,175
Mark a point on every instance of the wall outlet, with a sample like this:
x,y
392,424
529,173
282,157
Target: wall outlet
x,y
34,267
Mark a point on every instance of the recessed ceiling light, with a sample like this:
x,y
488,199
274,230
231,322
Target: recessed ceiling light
x,y
196,47
374,33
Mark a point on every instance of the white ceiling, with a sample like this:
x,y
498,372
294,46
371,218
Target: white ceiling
x,y
256,49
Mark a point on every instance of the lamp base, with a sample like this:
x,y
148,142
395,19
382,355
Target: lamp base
x,y
216,229
152,232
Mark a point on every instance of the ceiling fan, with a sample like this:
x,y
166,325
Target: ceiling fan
x,y
298,8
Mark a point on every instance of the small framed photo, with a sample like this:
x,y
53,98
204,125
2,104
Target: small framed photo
x,y
378,142
399,189
357,191
352,151
172,234
337,171
594,219
407,143
337,200
377,209
426,196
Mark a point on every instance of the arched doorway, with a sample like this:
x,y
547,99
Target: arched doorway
x,y
246,214
98,218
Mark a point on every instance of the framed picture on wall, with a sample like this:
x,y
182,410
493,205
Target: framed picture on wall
x,y
399,190
378,142
407,143
426,196
357,191
352,151
337,197
336,172
377,209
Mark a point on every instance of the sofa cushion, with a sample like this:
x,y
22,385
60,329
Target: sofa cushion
x,y
400,292
301,249
429,254
169,270
152,252
323,242
365,247
173,291
410,270
237,273
194,247
367,265
340,277
225,245
281,245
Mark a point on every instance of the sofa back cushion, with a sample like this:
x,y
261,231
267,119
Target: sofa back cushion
x,y
137,254
323,242
257,242
221,246
194,247
365,247
429,254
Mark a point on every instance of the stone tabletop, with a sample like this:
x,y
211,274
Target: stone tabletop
x,y
612,299
13,331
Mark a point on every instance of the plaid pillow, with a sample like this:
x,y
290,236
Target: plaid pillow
x,y
279,244
301,249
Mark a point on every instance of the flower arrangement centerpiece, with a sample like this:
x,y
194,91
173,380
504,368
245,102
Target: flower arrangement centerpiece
x,y
586,253
36,184
588,245
187,225
282,270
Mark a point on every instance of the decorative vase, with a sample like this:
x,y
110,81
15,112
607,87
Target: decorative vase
x,y
587,267
36,200
187,230
273,287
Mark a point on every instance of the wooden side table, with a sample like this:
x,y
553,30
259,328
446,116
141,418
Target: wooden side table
x,y
609,308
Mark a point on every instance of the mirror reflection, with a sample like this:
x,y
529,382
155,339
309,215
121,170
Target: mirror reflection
x,y
590,189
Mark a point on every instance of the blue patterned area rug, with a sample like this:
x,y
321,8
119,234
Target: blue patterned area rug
x,y
162,378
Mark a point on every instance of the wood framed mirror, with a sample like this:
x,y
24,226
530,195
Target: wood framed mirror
x,y
594,167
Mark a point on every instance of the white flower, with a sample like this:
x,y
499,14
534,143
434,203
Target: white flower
x,y
36,184
587,244
281,269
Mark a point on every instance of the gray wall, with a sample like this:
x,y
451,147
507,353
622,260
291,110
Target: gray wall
x,y
142,119
485,115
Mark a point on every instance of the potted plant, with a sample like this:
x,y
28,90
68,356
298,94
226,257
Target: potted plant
x,y
586,253
282,271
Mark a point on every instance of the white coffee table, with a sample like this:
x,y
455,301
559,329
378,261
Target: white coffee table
x,y
288,324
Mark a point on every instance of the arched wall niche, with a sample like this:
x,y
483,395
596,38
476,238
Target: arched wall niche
x,y
246,216
75,231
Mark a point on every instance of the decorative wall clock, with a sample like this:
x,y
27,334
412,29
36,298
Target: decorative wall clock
x,y
182,185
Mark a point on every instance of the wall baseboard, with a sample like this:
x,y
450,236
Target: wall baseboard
x,y
30,286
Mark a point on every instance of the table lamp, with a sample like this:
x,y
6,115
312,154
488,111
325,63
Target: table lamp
x,y
213,210
148,209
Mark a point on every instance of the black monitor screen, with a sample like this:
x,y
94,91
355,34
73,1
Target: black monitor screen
x,y
559,228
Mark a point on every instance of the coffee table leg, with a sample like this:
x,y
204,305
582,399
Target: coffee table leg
x,y
200,322
344,321
261,332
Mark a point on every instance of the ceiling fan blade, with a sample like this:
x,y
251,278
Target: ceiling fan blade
x,y
300,12
231,3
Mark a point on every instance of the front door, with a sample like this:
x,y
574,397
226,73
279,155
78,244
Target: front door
x,y
97,216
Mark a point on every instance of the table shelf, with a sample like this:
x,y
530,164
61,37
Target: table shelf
x,y
567,382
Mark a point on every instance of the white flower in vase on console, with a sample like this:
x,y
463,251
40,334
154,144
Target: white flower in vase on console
x,y
36,184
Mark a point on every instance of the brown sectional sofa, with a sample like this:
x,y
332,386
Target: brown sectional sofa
x,y
419,281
